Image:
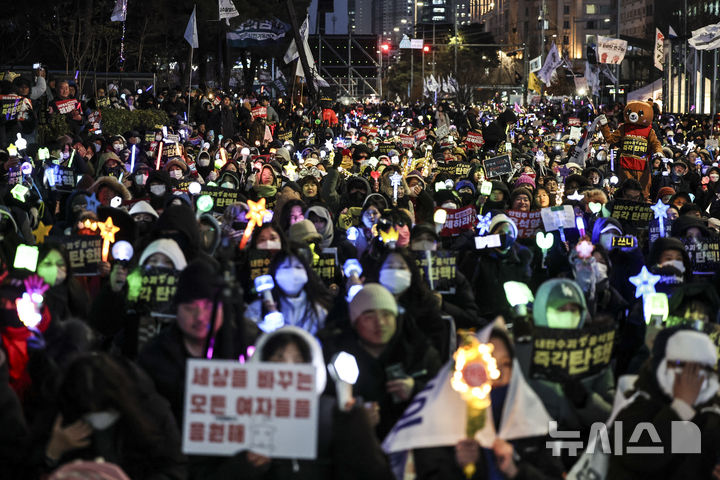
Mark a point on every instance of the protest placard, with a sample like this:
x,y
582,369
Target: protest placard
x,y
474,139
704,254
84,252
458,220
268,408
172,150
497,166
371,130
560,216
439,270
610,50
259,112
578,353
627,241
222,197
573,122
654,231
259,262
384,148
420,135
407,141
462,169
326,265
158,290
349,218
441,132
14,175
60,178
632,213
528,223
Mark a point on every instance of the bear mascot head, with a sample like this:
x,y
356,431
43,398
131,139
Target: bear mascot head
x,y
638,113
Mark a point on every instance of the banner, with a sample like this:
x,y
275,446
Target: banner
x,y
552,62
407,141
191,35
633,213
578,353
474,139
659,49
528,223
535,64
704,254
497,166
257,33
84,252
534,83
458,220
227,10
439,271
369,130
14,106
268,408
441,132
158,290
610,50
420,135
59,178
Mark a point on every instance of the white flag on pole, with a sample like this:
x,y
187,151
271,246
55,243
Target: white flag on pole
x,y
191,34
706,38
659,49
119,13
610,50
552,62
227,10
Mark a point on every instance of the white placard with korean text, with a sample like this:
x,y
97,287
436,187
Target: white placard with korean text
x,y
268,408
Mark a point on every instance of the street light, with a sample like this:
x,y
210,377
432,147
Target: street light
x,y
425,49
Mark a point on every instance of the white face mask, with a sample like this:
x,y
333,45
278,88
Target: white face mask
x,y
270,245
558,319
97,147
203,161
101,420
227,185
666,380
117,146
677,264
176,174
714,178
291,279
141,179
157,190
395,280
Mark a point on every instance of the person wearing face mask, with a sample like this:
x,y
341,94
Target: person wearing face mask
x,y
159,188
144,216
176,168
140,176
107,407
331,238
229,180
119,146
707,194
488,269
109,164
66,298
203,162
574,403
370,213
678,383
299,295
398,272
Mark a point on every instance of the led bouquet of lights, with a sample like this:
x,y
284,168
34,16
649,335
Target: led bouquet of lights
x,y
475,368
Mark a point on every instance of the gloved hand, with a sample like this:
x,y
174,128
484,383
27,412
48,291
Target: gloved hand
x,y
602,119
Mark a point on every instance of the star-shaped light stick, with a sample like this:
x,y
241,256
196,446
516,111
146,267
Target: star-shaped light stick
x,y
644,282
92,203
483,225
41,232
107,232
395,180
255,215
290,171
660,211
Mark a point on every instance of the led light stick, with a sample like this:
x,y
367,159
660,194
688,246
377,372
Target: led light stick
x,y
518,296
344,371
580,223
132,158
352,270
255,215
107,232
475,368
483,225
660,211
545,242
159,156
644,282
395,180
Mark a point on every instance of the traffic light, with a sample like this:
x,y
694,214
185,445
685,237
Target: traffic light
x,y
426,48
385,47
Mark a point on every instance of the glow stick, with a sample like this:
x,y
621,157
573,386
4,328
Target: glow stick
x,y
160,152
255,215
107,232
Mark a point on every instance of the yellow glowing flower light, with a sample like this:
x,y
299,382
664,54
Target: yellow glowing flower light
x,y
475,368
256,213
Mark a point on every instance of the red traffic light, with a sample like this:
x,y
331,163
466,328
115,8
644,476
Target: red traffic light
x,y
426,48
385,47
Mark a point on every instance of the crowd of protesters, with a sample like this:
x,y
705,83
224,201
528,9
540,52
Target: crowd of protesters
x,y
381,185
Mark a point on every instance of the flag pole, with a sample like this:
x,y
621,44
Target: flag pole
x,y
190,84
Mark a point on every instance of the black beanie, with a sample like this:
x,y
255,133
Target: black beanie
x,y
198,280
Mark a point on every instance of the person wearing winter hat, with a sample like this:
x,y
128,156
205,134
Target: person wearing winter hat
x,y
163,253
665,194
144,216
498,198
394,359
678,383
303,233
526,181
521,199
176,168
107,188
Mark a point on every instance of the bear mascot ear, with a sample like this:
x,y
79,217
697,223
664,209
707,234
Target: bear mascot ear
x,y
651,103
